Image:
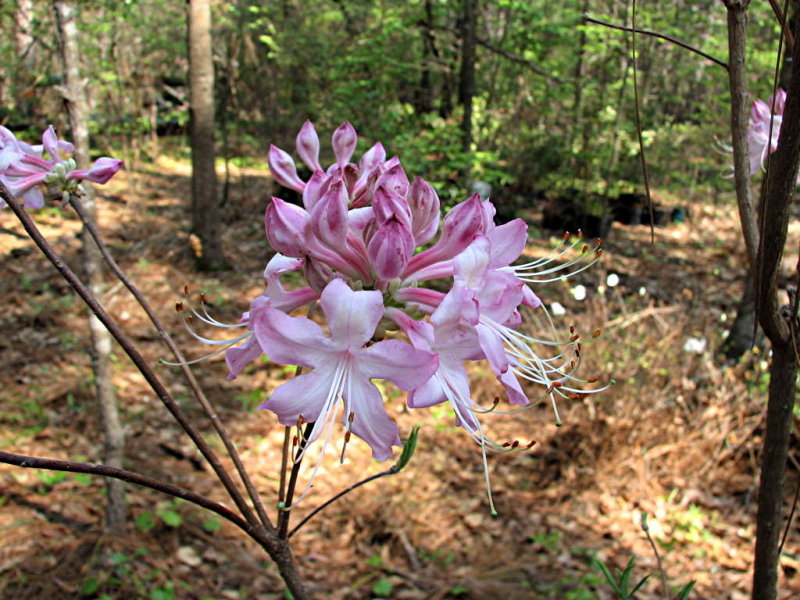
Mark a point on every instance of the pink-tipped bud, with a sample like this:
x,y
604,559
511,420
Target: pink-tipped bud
x,y
286,225
307,144
424,203
394,179
372,158
316,186
344,143
390,248
329,217
283,169
465,222
388,204
101,171
368,169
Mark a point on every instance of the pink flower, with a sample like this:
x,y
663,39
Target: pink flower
x,y
23,168
342,365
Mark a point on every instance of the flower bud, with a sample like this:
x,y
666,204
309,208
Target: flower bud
x,y
103,169
394,179
389,204
328,218
344,143
283,169
307,144
424,204
286,225
316,186
390,248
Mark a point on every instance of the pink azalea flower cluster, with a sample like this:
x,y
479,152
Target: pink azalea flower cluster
x,y
369,243
763,116
24,169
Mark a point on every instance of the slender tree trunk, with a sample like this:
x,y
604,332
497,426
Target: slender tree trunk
x,y
205,204
466,88
781,328
75,101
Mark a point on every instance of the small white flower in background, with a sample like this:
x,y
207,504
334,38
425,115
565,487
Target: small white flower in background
x,y
601,290
612,280
557,310
642,291
695,345
579,292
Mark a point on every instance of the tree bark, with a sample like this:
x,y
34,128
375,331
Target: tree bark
x,y
205,204
77,108
466,88
781,329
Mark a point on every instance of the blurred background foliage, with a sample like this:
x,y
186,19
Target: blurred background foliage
x,y
553,104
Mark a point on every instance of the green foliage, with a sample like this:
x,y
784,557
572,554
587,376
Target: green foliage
x,y
383,587
622,581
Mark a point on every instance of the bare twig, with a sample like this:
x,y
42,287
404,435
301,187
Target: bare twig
x,y
655,34
133,353
662,573
637,113
52,464
168,341
522,61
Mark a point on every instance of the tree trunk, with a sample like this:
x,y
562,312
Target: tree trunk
x,y
781,327
205,205
466,88
76,104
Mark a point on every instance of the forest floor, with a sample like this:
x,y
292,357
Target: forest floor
x,y
677,438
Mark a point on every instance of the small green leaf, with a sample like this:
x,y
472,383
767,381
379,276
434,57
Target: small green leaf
x,y
118,558
170,518
458,590
684,593
375,560
382,587
145,521
212,524
408,449
82,478
90,586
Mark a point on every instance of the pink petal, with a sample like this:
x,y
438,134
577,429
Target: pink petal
x,y
370,422
407,367
352,316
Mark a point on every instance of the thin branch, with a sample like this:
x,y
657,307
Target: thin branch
x,y
661,36
126,344
662,573
781,15
52,464
522,61
637,113
285,514
394,469
168,341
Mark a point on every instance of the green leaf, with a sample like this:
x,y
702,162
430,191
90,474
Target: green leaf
x,y
684,593
382,587
408,449
170,517
375,560
90,586
118,558
145,521
212,524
